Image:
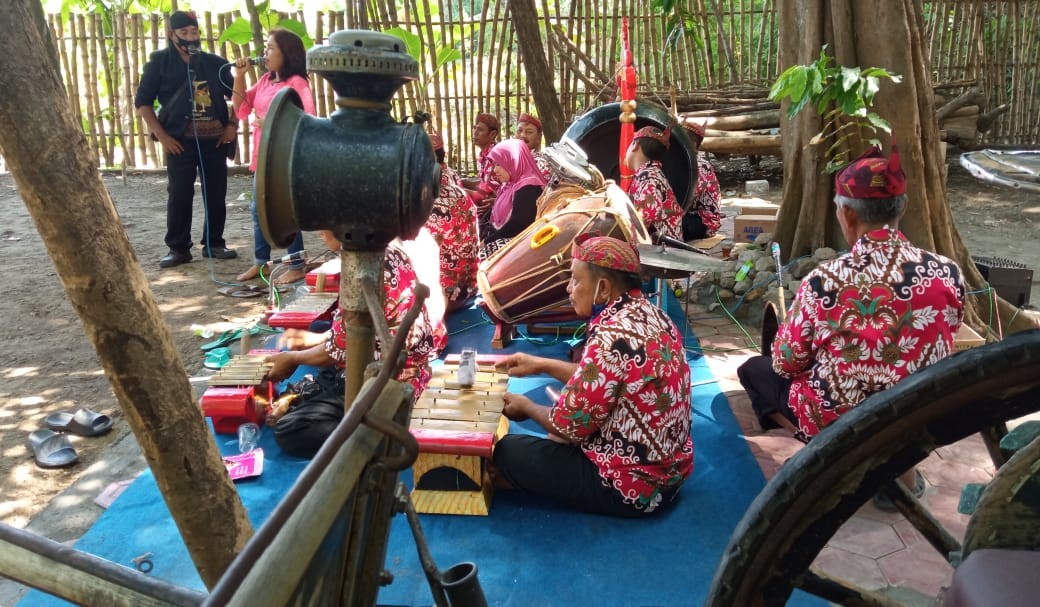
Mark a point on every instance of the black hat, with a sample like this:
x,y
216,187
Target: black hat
x,y
181,19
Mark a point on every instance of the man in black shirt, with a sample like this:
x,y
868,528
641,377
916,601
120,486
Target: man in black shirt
x,y
196,132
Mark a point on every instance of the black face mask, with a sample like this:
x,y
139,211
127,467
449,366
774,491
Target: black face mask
x,y
190,46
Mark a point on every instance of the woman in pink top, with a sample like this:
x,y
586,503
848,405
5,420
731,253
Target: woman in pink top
x,y
286,63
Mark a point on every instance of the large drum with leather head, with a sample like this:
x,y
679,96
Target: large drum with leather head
x,y
598,132
529,275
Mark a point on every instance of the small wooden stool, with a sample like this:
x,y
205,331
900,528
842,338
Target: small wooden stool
x,y
456,429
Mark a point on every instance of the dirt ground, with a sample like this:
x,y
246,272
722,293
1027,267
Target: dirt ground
x,y
48,365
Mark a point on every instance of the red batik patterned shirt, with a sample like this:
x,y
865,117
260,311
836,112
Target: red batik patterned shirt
x,y
453,223
542,162
489,183
628,404
706,195
864,321
399,280
654,199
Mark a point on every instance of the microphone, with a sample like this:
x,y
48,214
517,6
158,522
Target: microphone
x,y
774,248
291,257
260,61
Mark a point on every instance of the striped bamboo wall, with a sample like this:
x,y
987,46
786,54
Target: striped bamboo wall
x,y
732,59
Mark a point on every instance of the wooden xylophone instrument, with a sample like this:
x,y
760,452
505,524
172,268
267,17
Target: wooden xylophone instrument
x,y
239,392
456,428
305,309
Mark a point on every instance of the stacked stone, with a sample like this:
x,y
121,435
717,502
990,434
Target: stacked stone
x,y
751,276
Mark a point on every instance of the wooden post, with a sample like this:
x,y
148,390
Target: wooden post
x,y
77,221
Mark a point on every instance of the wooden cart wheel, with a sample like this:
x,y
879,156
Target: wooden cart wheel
x,y
824,484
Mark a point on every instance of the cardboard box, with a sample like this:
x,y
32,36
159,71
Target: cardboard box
x,y
966,338
747,227
749,206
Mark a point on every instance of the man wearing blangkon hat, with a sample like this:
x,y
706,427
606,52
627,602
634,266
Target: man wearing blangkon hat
x,y
197,134
861,322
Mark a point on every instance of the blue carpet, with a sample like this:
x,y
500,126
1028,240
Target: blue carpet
x,y
528,551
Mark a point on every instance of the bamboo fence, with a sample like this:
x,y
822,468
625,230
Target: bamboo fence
x,y
730,58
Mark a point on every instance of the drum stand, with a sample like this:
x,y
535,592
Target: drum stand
x,y
546,323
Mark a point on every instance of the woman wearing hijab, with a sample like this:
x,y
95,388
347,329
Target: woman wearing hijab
x,y
515,205
619,433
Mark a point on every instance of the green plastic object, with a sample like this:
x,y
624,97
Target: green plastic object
x,y
1020,436
970,498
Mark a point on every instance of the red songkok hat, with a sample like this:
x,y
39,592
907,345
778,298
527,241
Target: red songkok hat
x,y
529,119
606,252
872,176
437,141
697,129
649,132
489,121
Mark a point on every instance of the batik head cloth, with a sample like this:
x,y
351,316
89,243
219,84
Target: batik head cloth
x,y
606,252
489,121
529,119
649,132
437,141
872,176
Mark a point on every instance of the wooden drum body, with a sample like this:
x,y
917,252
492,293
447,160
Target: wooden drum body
x,y
529,275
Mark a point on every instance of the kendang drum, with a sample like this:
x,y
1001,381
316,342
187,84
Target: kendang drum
x,y
528,276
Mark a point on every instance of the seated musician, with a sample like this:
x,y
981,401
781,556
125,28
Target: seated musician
x,y
482,190
619,435
650,191
453,223
529,130
331,348
704,217
862,322
516,203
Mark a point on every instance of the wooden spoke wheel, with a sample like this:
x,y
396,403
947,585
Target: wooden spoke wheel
x,y
817,490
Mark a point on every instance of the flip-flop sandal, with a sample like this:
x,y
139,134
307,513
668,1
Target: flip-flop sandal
x,y
217,358
243,291
52,450
83,422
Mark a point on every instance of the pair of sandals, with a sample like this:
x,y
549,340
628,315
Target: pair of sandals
x,y
51,446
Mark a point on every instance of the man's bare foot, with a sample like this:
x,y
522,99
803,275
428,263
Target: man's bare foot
x,y
250,274
291,276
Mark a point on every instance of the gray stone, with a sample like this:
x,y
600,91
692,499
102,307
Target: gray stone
x,y
824,254
756,186
765,279
763,240
741,287
764,264
802,266
725,294
793,286
728,280
754,294
750,255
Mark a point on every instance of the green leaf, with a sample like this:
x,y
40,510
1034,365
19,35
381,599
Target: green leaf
x,y
849,78
446,54
412,43
879,122
240,32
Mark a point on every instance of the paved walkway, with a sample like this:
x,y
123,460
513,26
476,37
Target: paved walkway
x,y
874,549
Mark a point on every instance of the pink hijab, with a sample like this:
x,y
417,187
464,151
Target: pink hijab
x,y
515,157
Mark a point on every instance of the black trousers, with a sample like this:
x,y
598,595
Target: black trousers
x,y
559,471
181,169
693,227
767,390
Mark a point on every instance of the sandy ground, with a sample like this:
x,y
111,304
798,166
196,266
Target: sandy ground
x,y
48,365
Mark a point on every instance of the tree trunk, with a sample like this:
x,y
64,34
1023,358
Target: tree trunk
x,y
57,177
539,76
872,33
